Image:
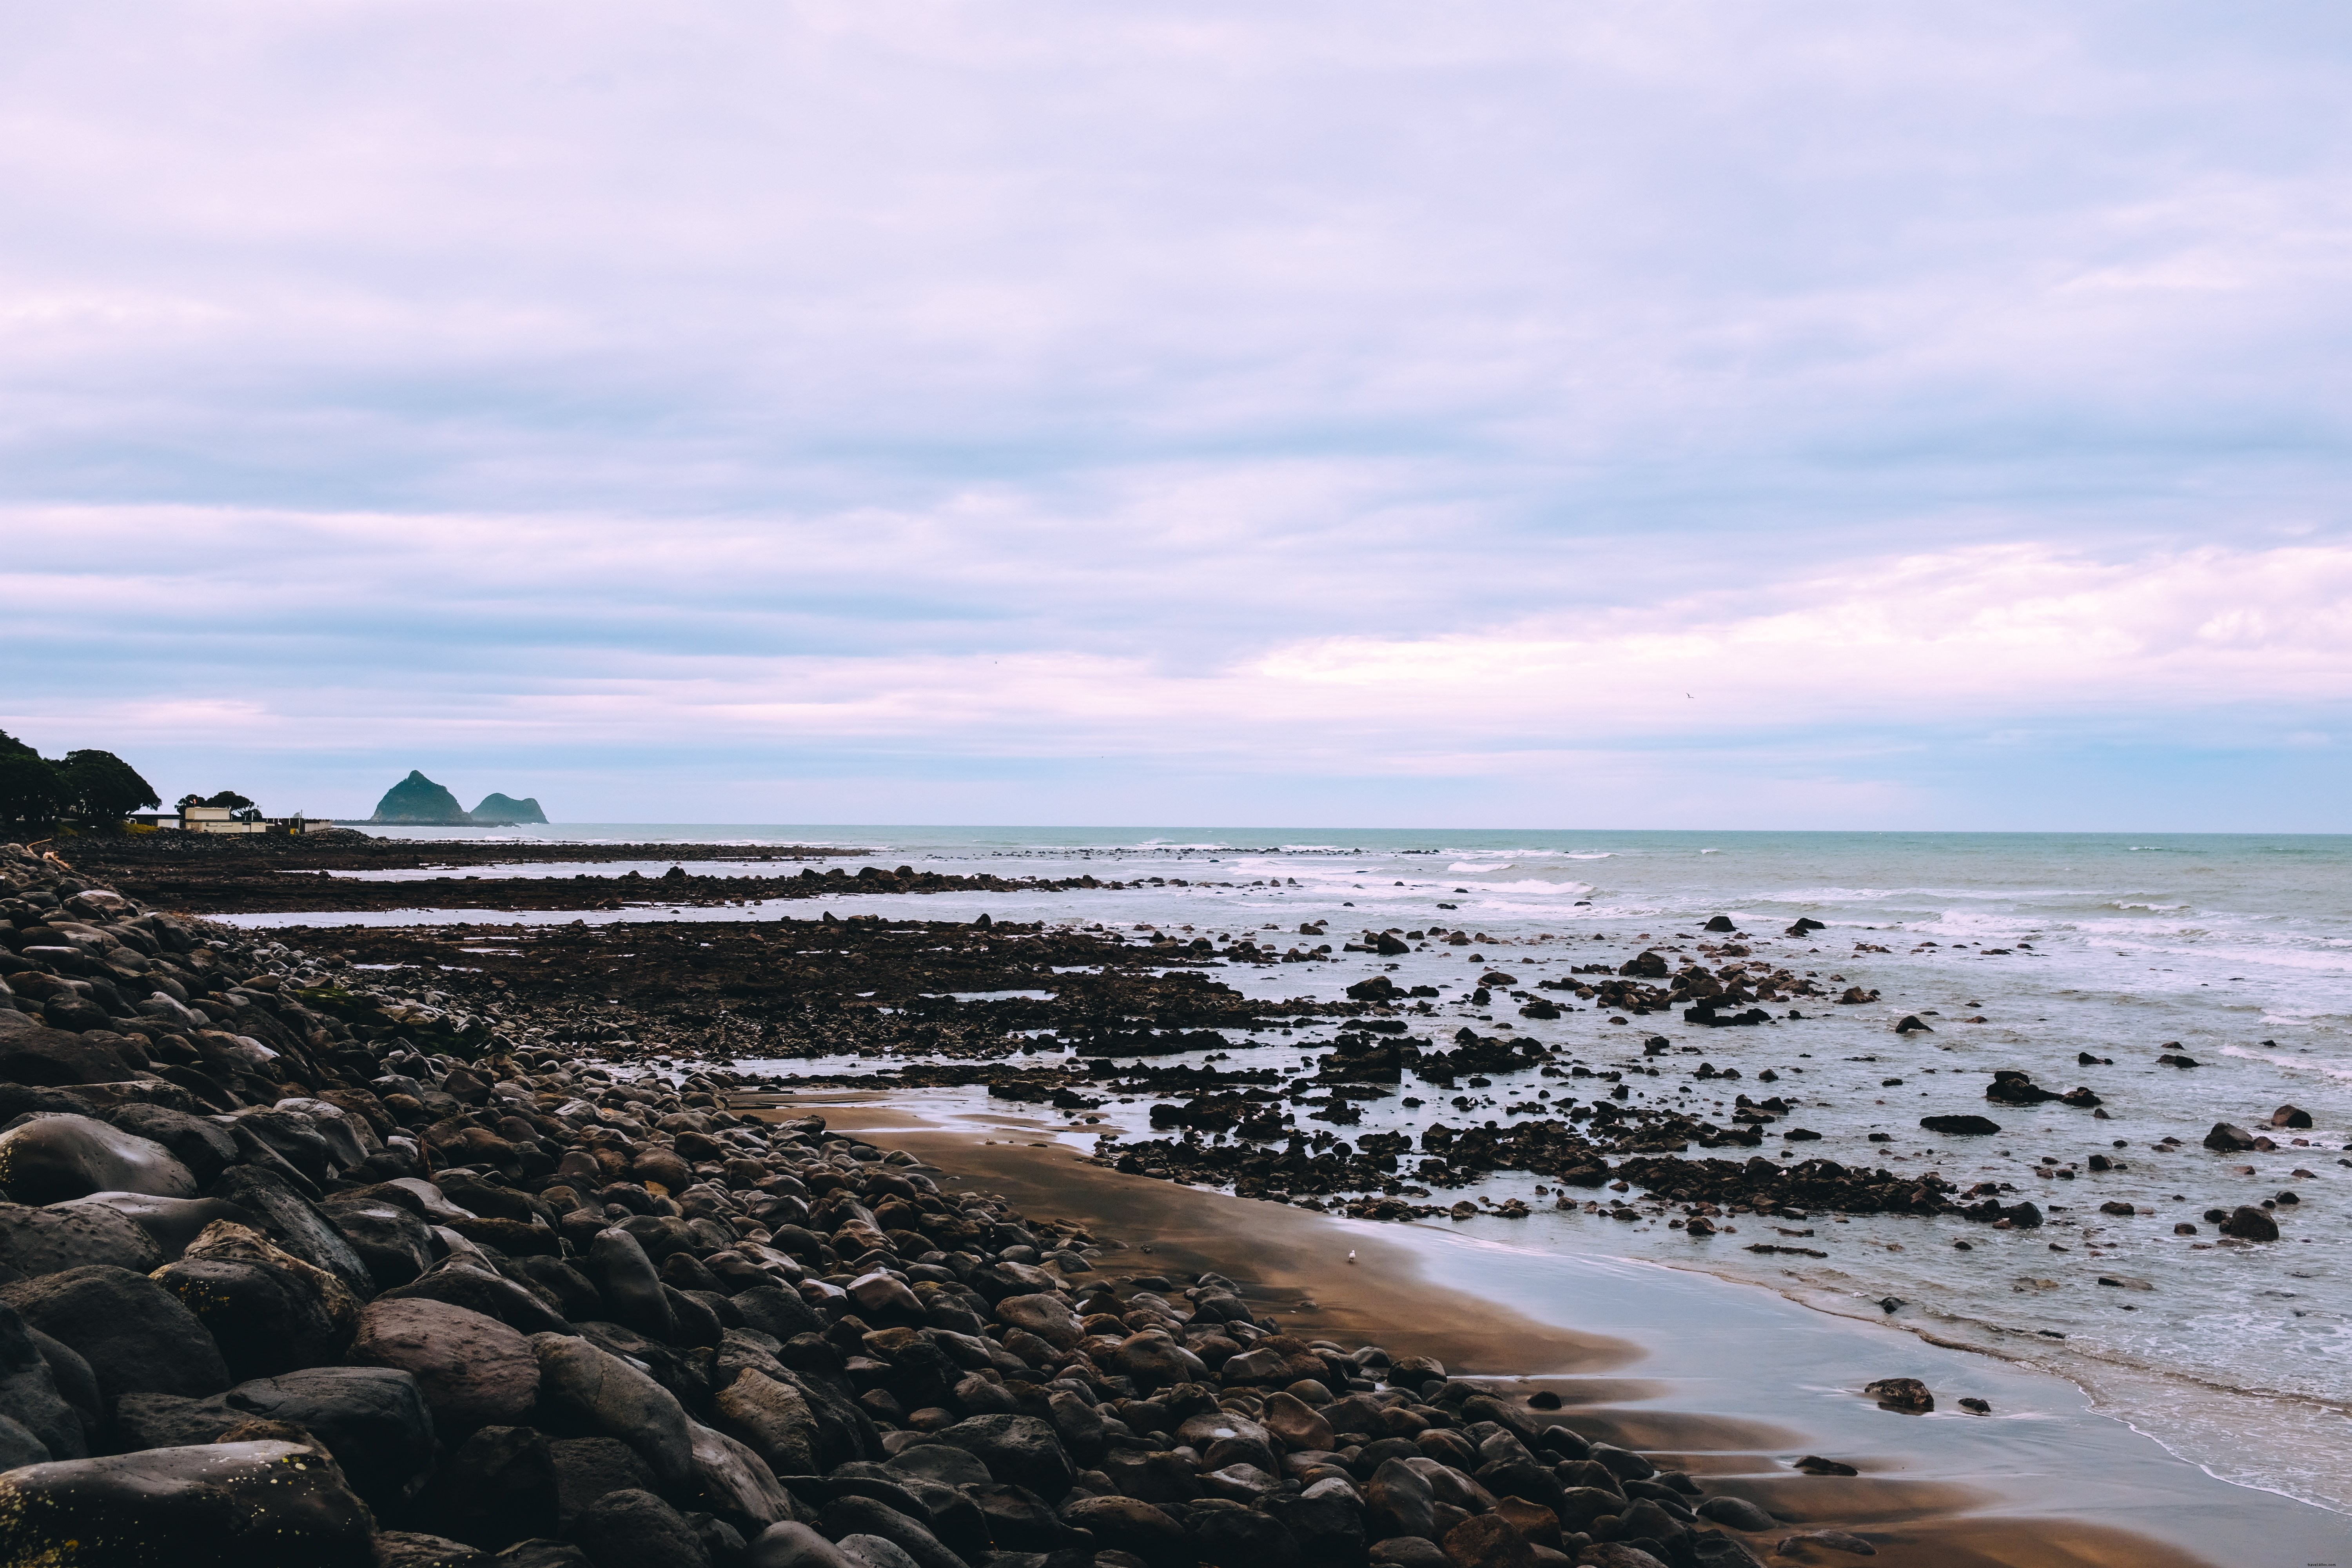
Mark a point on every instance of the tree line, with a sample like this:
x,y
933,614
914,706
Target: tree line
x,y
93,789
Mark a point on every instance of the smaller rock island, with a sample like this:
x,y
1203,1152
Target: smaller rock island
x,y
417,802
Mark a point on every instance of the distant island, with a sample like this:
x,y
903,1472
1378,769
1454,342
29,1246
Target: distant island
x,y
417,802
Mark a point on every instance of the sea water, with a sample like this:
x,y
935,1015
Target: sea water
x,y
2233,951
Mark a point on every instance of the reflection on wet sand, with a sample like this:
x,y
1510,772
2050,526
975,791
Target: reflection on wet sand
x,y
1298,1263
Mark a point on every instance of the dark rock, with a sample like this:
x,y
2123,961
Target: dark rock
x,y
30,1397
1903,1394
393,1243
497,1489
1129,1524
372,1419
407,1548
631,1286
206,1148
637,1529
171,1223
1721,922
1623,1463
1978,1125
472,1371
264,1320
795,1545
37,1241
2013,1088
1017,1519
1020,1450
294,1224
777,1312
2248,1223
224,1505
1616,1554
462,1283
135,1335
605,1396
2229,1140
1398,1501
32,1053
1487,1541
2291,1116
586,1469
53,1158
1734,1512
864,1516
1328,1529
1829,1540
1235,1536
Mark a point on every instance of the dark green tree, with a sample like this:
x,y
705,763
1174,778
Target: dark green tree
x,y
11,747
30,791
103,789
227,797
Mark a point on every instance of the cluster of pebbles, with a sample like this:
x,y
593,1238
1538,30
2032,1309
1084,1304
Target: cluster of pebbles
x,y
294,1272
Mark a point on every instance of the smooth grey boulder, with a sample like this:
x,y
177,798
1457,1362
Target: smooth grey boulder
x,y
169,1223
135,1335
203,1146
37,1241
608,1397
30,1397
1019,1450
463,1283
473,1371
795,1545
372,1419
294,1224
391,1240
224,1505
53,1158
637,1529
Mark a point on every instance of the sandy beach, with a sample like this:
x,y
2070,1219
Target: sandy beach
x,y
1723,1380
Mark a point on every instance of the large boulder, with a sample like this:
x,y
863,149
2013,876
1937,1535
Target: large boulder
x,y
32,1053
498,1488
266,1504
264,1320
296,1224
391,1238
605,1396
735,1481
372,1419
171,1223
52,1157
205,1147
773,1420
473,1371
1019,1450
637,1529
463,1283
134,1333
38,1241
30,1397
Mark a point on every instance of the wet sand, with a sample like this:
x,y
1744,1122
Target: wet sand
x,y
1731,1379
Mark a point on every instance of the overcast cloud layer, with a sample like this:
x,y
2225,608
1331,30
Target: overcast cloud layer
x,y
1598,414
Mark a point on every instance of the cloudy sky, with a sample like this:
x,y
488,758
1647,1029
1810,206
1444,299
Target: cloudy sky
x,y
1737,415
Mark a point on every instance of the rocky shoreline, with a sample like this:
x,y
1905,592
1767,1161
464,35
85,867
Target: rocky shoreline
x,y
304,1273
513,1263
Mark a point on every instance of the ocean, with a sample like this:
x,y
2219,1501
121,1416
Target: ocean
x,y
2018,950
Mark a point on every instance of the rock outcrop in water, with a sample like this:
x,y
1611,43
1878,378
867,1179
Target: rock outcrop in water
x,y
505,809
417,801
